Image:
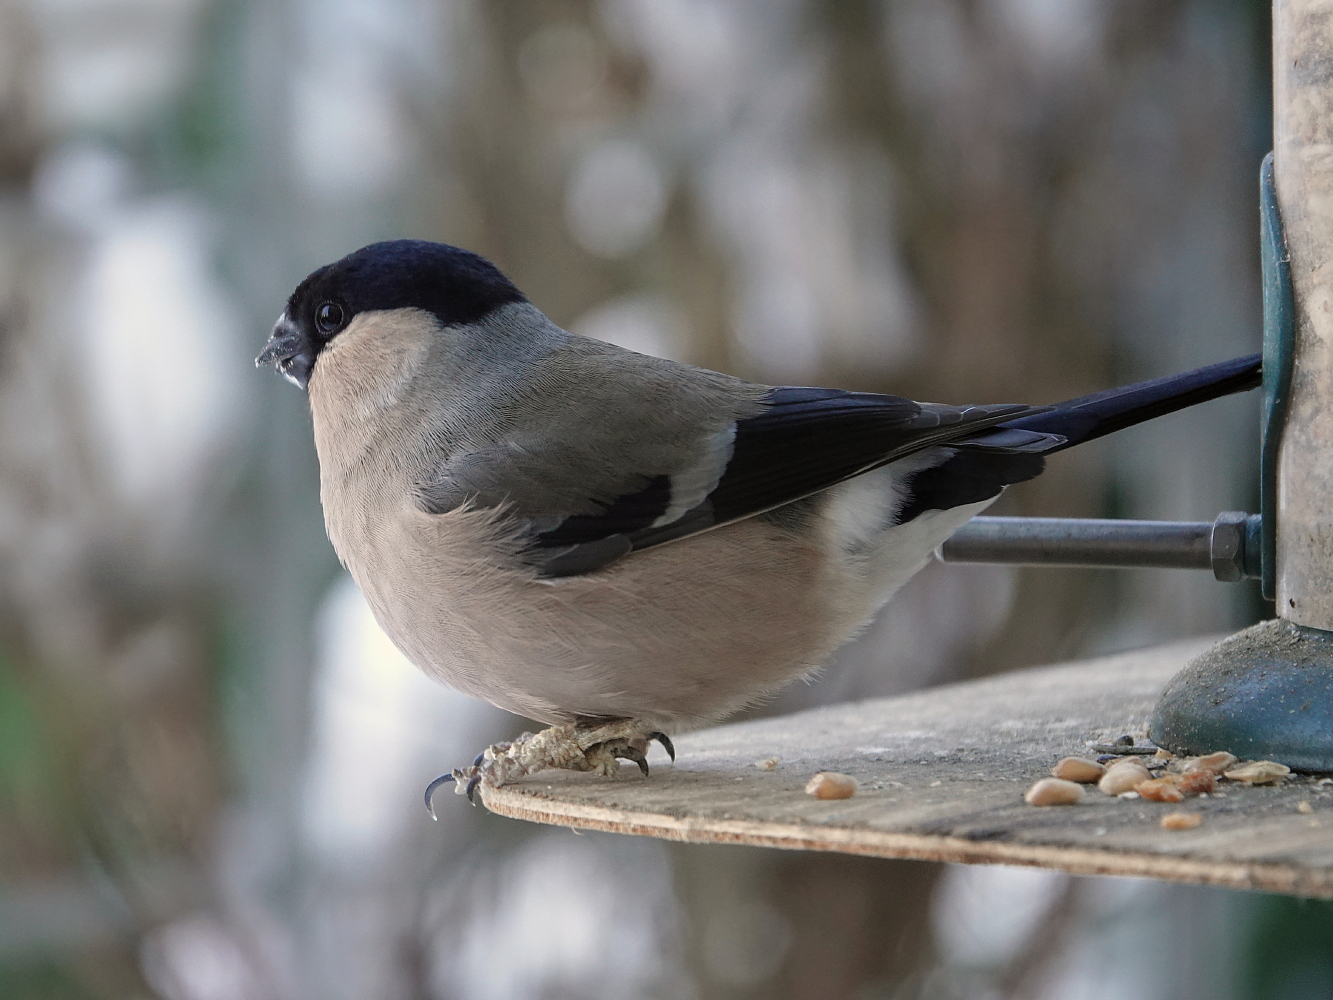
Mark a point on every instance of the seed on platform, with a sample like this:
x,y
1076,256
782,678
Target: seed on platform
x,y
1196,782
831,785
1053,792
1215,762
1259,772
1124,776
1160,790
1078,769
1181,821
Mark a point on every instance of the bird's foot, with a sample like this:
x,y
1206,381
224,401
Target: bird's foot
x,y
572,747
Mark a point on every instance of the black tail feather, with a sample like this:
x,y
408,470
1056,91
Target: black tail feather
x,y
1014,452
1089,417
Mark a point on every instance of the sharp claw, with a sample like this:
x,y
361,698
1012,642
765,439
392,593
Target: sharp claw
x,y
667,745
636,755
472,784
430,793
479,758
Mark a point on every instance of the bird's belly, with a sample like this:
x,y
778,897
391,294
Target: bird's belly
x,y
679,635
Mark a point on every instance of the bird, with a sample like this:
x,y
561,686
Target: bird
x,y
619,546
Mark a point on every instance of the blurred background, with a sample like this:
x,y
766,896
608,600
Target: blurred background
x,y
211,760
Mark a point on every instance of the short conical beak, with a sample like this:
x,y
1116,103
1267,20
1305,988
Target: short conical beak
x,y
289,351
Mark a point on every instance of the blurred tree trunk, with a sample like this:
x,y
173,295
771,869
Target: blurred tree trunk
x,y
110,772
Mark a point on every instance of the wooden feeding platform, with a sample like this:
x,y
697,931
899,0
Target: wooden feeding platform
x,y
942,775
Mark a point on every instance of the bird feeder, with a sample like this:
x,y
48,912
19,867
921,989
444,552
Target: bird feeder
x,y
1267,691
940,774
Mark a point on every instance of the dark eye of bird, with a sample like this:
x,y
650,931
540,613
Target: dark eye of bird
x,y
328,317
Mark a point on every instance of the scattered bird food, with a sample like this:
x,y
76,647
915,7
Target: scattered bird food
x,y
1123,776
831,785
1160,790
1259,772
767,764
1216,763
1053,792
1079,769
1181,821
1123,772
1197,782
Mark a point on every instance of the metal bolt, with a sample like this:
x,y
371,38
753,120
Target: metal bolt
x,y
1227,546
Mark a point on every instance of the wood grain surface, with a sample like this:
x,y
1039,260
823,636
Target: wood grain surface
x,y
942,774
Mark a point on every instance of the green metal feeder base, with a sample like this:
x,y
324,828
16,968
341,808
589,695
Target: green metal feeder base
x,y
1264,693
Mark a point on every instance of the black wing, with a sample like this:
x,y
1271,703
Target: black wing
x,y
805,441
810,439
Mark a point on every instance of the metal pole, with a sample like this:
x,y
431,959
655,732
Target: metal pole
x,y
1303,168
1061,541
1229,546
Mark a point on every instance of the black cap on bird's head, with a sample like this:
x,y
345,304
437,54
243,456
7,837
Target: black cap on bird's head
x,y
456,286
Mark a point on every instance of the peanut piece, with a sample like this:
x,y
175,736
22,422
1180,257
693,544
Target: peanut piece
x,y
1196,782
1215,762
1078,769
1181,821
1124,776
831,785
1053,792
1259,772
1160,790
